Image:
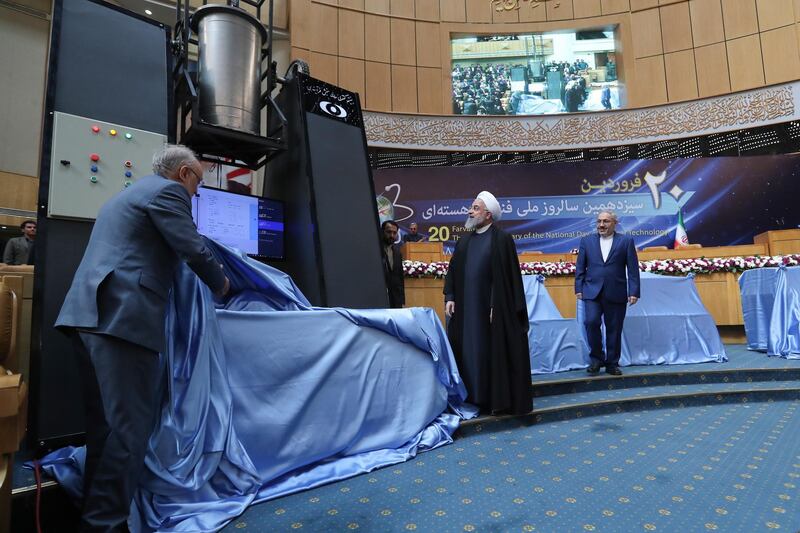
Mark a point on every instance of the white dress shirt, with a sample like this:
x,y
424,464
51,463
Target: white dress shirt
x,y
605,246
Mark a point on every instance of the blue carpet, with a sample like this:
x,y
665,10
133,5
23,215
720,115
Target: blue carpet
x,y
728,467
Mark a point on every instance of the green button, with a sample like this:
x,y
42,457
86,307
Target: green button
x,y
128,136
93,179
128,183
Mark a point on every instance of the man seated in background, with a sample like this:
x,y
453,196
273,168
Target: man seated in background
x,y
18,248
413,236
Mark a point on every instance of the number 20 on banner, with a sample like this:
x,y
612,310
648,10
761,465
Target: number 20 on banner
x,y
439,233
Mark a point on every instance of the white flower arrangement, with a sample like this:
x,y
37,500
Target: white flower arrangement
x,y
673,267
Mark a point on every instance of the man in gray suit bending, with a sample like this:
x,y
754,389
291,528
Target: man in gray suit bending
x,y
115,311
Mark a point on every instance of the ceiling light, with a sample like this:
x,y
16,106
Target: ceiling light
x,y
148,12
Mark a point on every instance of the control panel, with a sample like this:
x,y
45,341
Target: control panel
x,y
94,160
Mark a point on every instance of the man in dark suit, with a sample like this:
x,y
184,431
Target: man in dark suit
x,y
413,236
393,265
603,260
115,312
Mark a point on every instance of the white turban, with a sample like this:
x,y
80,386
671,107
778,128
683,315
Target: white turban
x,y
491,204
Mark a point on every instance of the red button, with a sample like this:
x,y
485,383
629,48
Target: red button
x,y
94,157
128,164
96,129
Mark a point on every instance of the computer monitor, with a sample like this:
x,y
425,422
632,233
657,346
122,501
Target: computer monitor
x,y
252,224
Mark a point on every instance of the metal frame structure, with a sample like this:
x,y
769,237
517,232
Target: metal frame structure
x,y
217,143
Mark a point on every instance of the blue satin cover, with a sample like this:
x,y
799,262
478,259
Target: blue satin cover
x,y
771,309
266,395
668,325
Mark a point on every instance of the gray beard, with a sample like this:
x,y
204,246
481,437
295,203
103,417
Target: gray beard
x,y
471,223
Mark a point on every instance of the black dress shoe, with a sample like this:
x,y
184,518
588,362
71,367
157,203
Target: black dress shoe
x,y
594,368
613,370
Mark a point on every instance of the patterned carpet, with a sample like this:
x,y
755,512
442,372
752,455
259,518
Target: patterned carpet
x,y
703,447
728,467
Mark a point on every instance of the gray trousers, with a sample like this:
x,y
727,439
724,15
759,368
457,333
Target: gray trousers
x,y
120,384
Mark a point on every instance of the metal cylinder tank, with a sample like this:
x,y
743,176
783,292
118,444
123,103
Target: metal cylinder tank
x,y
229,67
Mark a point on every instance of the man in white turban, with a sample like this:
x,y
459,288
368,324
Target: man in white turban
x,y
488,327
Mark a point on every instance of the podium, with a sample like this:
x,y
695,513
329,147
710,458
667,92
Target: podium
x,y
780,242
427,252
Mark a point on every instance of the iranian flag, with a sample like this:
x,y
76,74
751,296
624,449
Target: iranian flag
x,y
681,239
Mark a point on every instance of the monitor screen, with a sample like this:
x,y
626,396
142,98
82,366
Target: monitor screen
x,y
250,223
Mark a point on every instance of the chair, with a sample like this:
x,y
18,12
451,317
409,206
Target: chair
x,y
654,248
689,246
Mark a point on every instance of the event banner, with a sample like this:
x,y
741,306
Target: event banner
x,y
549,207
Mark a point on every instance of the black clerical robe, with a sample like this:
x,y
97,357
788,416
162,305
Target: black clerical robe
x,y
503,381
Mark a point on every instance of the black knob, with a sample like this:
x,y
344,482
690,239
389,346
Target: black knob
x,y
65,162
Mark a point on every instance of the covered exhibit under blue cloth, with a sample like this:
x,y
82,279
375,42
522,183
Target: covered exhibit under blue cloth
x,y
771,309
668,325
267,395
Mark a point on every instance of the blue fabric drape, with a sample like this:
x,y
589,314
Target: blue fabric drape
x,y
669,325
556,344
265,395
771,309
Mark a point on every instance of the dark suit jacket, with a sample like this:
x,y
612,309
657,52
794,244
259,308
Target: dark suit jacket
x,y
122,285
395,281
592,274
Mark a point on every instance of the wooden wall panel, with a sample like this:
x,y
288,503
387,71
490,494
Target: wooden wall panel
x,y
744,63
378,86
646,30
18,191
403,39
681,78
429,81
324,67
560,10
774,13
454,10
323,24
351,75
402,8
479,11
376,38
280,14
533,13
781,55
404,89
23,60
712,70
740,18
506,17
427,10
707,25
676,28
586,8
351,34
300,53
610,7
664,42
651,86
300,23
428,45
377,6
639,5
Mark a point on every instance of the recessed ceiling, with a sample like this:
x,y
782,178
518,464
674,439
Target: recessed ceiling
x,y
163,12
